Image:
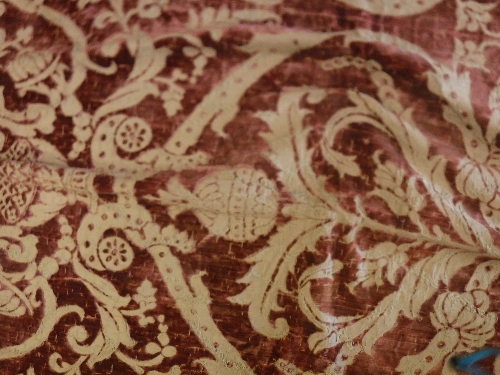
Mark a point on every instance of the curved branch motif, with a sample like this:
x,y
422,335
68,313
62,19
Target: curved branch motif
x,y
137,225
267,277
51,316
442,81
287,141
419,284
38,116
217,108
305,300
431,170
106,144
124,147
194,309
397,124
80,59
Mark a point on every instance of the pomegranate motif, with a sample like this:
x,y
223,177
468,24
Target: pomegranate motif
x,y
237,204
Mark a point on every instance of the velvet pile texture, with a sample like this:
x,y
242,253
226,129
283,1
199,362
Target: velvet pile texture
x,y
248,186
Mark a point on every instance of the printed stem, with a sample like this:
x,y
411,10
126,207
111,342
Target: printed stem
x,y
193,307
367,222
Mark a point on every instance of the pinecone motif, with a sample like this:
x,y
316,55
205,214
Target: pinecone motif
x,y
238,204
17,187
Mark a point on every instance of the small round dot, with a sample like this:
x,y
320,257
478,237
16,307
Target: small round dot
x,y
476,283
205,328
418,371
441,344
454,95
474,143
169,270
62,220
428,358
86,244
91,226
178,288
91,258
216,345
487,268
161,255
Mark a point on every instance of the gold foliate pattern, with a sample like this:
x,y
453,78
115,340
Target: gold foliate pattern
x,y
248,187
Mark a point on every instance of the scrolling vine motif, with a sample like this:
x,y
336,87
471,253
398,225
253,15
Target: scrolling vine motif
x,y
280,210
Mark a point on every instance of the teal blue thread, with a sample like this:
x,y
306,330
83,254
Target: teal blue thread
x,y
468,363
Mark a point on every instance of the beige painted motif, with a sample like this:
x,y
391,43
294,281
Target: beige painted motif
x,y
93,185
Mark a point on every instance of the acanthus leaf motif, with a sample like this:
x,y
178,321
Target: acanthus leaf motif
x,y
275,262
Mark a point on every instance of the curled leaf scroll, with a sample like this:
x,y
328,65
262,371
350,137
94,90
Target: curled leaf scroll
x,y
195,188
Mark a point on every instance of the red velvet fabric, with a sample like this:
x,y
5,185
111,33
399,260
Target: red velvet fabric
x,y
248,186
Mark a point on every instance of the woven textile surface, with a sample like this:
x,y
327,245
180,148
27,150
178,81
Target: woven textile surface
x,y
248,186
